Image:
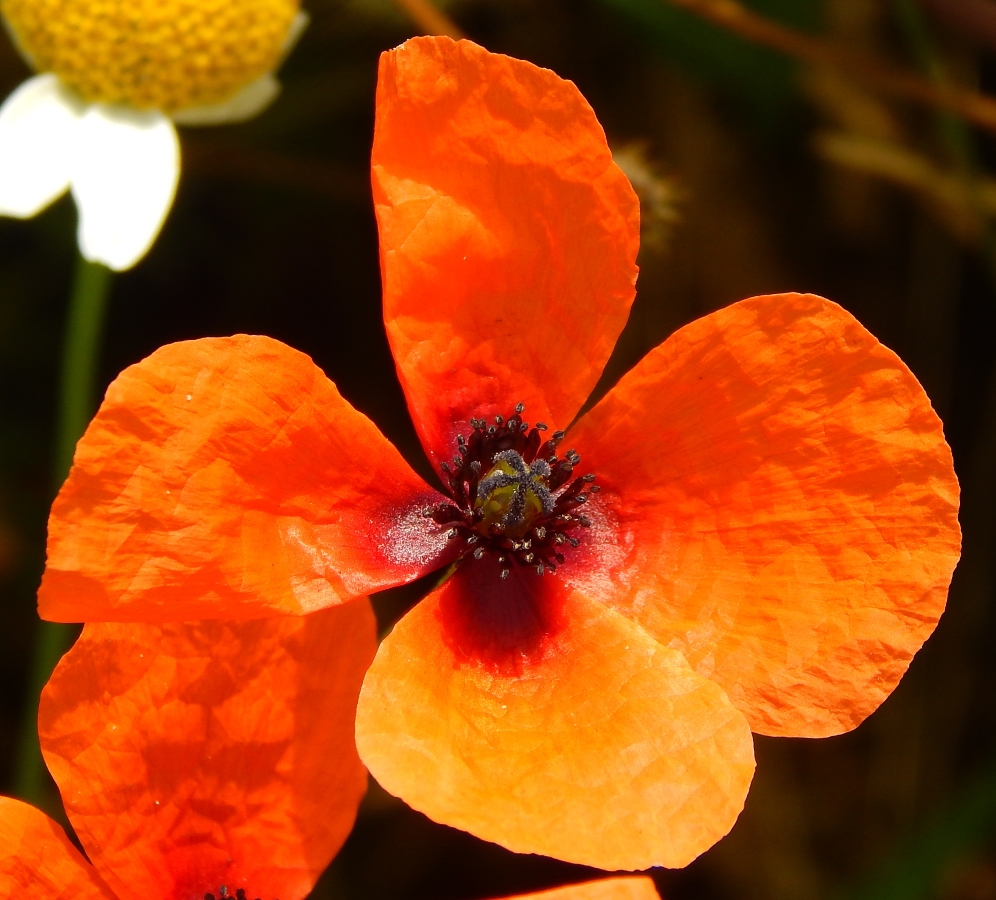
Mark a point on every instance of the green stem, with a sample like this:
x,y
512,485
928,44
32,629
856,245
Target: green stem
x,y
77,399
78,388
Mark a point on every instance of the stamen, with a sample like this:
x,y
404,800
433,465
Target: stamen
x,y
240,894
512,495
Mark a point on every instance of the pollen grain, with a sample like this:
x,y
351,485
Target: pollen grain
x,y
153,54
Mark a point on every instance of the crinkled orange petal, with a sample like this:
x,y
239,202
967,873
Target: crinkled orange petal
x,y
227,478
632,887
533,717
192,756
38,861
779,505
508,237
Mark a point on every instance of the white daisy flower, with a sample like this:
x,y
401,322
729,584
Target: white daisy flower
x,y
115,75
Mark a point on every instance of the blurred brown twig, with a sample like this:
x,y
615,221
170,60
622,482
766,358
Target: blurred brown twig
x,y
973,106
975,19
431,19
963,203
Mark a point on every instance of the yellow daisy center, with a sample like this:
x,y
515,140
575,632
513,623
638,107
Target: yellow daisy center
x,y
153,54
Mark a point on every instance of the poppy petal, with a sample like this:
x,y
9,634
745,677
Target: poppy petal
x,y
227,478
779,505
508,237
192,756
38,860
631,887
536,718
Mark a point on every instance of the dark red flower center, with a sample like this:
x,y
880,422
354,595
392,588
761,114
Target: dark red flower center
x,y
513,495
223,894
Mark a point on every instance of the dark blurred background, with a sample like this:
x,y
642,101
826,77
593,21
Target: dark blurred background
x,y
758,172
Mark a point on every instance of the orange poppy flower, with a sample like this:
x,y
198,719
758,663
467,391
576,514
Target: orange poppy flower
x,y
767,539
212,759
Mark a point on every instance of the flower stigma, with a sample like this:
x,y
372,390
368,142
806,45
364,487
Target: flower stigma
x,y
168,55
513,495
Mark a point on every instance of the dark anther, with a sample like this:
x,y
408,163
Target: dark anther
x,y
539,426
240,894
519,408
558,436
573,541
475,466
504,574
446,513
594,489
584,521
223,891
499,420
589,477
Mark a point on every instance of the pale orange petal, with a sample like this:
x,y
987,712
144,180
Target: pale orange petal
x,y
192,756
226,478
508,237
779,505
537,719
632,887
37,860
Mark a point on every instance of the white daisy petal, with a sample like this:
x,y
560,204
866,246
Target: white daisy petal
x,y
125,171
37,134
297,26
248,102
18,46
